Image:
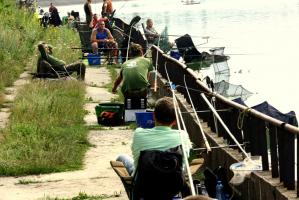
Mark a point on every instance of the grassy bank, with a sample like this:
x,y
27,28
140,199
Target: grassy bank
x,y
18,36
46,131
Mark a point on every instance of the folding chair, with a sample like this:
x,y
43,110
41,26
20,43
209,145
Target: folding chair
x,y
187,48
124,176
87,48
52,73
127,180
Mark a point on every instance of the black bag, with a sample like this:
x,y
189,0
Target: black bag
x,y
159,175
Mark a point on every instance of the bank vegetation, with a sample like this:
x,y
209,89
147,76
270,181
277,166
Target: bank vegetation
x,y
46,131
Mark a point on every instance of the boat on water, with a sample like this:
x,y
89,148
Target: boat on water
x,y
190,2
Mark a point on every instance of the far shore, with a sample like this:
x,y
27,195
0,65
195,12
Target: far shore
x,y
44,3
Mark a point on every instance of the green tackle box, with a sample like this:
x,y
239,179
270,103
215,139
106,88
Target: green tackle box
x,y
110,114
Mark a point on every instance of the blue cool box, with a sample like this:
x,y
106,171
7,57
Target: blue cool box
x,y
175,54
145,119
93,59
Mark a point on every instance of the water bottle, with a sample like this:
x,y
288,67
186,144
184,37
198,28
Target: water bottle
x,y
227,197
219,191
204,191
177,198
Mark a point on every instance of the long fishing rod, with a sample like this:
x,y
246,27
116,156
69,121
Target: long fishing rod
x,y
197,119
177,109
223,124
122,6
134,21
156,73
213,101
220,147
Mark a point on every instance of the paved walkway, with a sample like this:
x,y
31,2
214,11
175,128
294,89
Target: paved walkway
x,y
97,177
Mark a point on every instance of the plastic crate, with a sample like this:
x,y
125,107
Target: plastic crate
x,y
110,114
94,59
145,119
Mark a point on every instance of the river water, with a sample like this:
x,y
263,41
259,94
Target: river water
x,y
261,38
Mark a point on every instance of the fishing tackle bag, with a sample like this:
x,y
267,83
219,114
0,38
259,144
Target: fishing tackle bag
x,y
159,175
110,114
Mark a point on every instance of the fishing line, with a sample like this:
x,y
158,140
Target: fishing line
x,y
122,6
197,119
177,110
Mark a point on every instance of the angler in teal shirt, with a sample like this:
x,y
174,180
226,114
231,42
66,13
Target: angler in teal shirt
x,y
162,137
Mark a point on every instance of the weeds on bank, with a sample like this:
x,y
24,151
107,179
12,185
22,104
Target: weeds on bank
x,y
18,34
28,181
114,74
46,131
84,196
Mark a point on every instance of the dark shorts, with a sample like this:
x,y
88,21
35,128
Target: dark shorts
x,y
139,93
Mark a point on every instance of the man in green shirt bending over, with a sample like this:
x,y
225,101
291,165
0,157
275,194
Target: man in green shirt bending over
x,y
162,137
50,66
134,74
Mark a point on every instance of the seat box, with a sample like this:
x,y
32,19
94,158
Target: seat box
x,y
135,103
130,115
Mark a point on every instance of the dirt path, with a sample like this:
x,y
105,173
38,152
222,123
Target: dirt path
x,y
97,177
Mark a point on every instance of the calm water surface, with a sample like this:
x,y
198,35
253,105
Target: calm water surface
x,y
261,37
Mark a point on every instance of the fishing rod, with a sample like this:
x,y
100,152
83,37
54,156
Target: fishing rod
x,y
156,73
197,119
220,147
205,111
223,124
122,6
134,21
177,112
213,101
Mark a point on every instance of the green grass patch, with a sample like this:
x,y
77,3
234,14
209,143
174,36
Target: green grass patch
x,y
96,127
114,74
84,196
46,132
19,32
28,181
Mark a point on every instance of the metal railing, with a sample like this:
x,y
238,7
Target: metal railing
x,y
270,138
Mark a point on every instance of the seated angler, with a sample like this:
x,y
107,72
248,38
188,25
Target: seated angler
x,y
161,137
102,38
134,74
150,32
157,156
49,66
